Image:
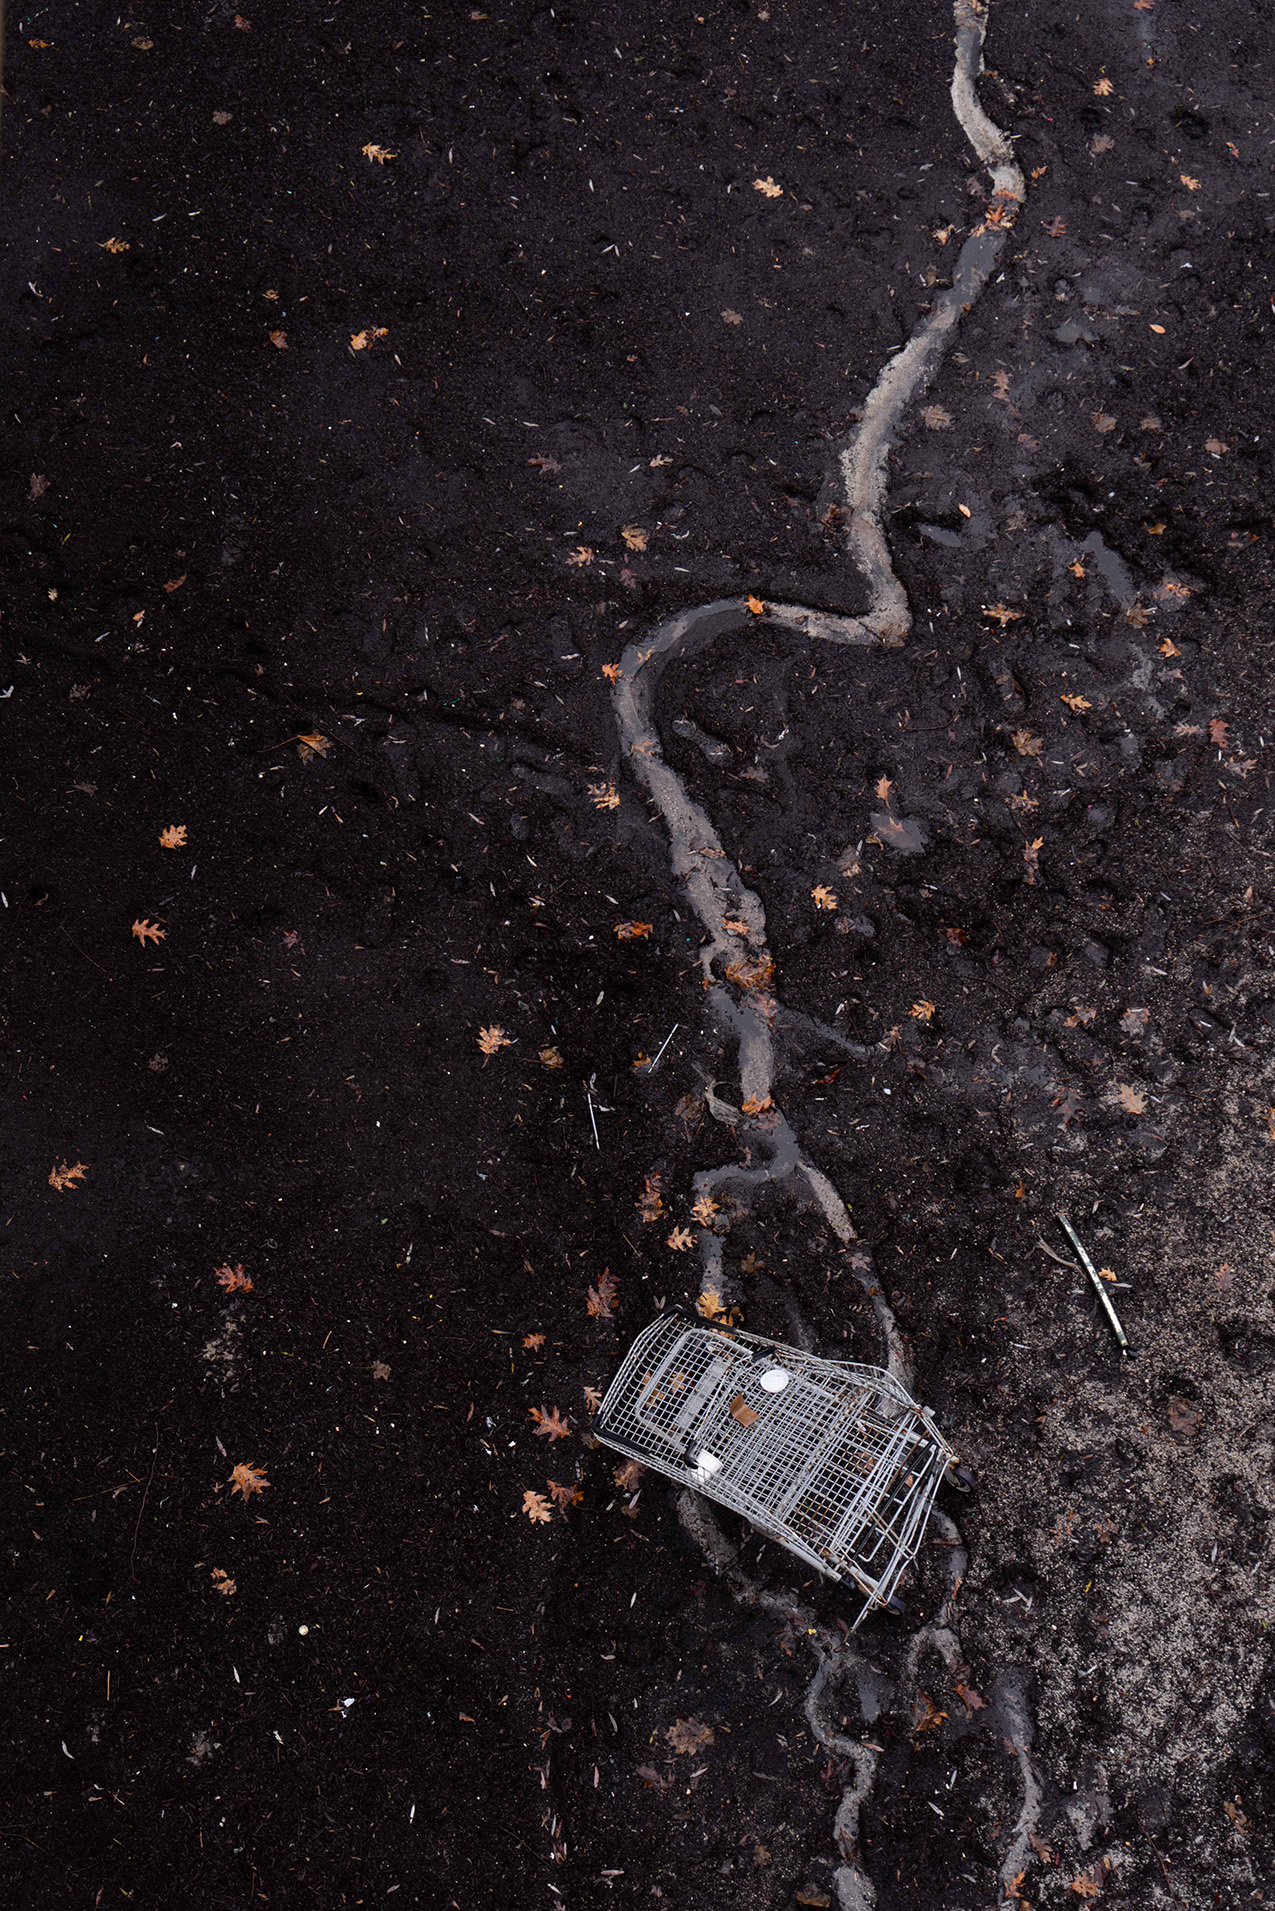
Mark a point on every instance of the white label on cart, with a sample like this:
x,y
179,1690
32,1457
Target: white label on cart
x,y
707,1463
775,1380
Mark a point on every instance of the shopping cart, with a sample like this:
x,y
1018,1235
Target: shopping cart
x,y
831,1459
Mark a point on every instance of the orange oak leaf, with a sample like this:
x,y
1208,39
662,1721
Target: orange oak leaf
x,y
173,837
143,929
61,1177
550,1423
247,1480
233,1279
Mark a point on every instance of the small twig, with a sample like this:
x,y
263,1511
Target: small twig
x,y
88,958
1164,1868
589,1098
142,1508
667,1039
1095,1281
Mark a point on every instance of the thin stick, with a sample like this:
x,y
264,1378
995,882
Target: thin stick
x,y
667,1039
1095,1282
142,1508
589,1098
1164,1868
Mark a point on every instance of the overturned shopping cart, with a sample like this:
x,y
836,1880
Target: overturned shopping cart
x,y
831,1459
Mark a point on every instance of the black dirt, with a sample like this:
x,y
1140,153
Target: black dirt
x,y
373,378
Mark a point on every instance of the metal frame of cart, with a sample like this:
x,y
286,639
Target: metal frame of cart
x,y
833,1460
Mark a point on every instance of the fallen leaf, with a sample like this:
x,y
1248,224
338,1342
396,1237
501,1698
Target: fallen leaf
x,y
544,464
705,1211
1024,804
605,796
632,931
550,1058
1168,648
564,1496
550,1424
359,341
1234,1813
710,1306
755,972
537,1508
733,318
1215,446
688,1735
379,154
145,930
247,1480
1219,730
222,119
1192,185
768,187
735,924
1184,1417
1031,856
157,1064
38,485
1103,421
811,1895
243,26
635,537
175,583
63,1177
534,1341
602,1298
114,245
582,555
1171,588
755,605
1134,1021
935,418
1103,88
823,897
742,1413
929,1715
279,340
223,1582
679,1240
972,1701
1000,385
922,1011
882,787
1074,701
627,1474
174,836
756,1105
1125,1095
651,1778
492,1038
1138,615
1002,613
1076,568
592,1398
233,1279
1081,1015
1055,227
1101,143
1038,172
380,1371
650,1203
1269,1119
941,234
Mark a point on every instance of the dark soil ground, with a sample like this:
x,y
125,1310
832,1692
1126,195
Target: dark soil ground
x,y
224,530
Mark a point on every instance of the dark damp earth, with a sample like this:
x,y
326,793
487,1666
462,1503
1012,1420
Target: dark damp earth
x,y
373,379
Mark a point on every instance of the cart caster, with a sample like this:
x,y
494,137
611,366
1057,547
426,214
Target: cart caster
x,y
960,1477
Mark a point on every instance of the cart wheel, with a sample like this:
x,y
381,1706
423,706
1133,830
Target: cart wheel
x,y
960,1477
895,1605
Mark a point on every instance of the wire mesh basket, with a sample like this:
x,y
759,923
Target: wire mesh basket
x,y
831,1459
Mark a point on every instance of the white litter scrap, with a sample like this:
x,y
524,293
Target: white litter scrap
x,y
831,1459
